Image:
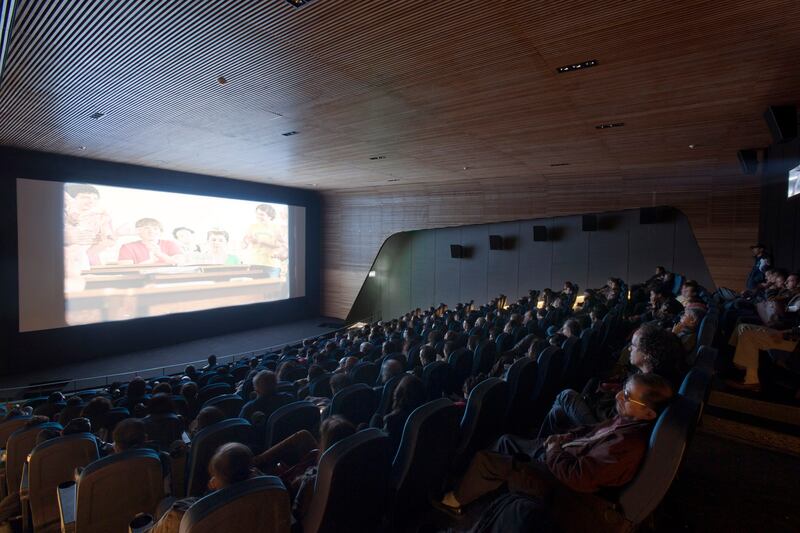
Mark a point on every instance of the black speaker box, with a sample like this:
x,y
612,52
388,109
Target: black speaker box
x,y
540,233
589,223
495,242
748,159
456,251
782,122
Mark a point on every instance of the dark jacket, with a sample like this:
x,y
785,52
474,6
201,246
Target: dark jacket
x,y
604,455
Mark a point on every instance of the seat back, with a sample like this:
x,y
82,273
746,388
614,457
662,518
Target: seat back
x,y
435,376
10,426
51,463
320,386
19,445
572,361
420,466
257,505
204,445
296,372
387,395
351,488
356,403
521,379
640,497
365,372
181,405
695,386
230,404
548,383
114,489
504,342
483,418
115,416
290,419
484,358
706,359
589,359
163,429
460,362
210,391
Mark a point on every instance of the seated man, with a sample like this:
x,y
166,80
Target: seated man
x,y
653,350
687,326
584,460
268,399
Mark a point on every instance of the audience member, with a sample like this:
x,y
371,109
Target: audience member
x,y
267,399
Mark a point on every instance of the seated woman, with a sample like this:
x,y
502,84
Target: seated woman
x,y
408,395
295,460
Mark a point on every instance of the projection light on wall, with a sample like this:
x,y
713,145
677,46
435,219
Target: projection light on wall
x,y
794,181
372,273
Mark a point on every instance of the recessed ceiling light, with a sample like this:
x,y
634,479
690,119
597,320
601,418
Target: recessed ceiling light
x,y
298,3
376,157
393,180
577,66
97,114
558,164
610,125
290,133
221,80
692,146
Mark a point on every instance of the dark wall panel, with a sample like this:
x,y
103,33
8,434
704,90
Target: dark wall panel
x,y
621,247
474,279
780,215
570,252
447,270
423,265
503,269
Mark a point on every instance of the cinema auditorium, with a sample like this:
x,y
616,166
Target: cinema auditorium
x,y
330,266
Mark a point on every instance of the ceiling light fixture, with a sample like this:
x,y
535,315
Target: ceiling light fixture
x,y
376,157
558,164
290,133
577,66
221,80
97,114
610,125
393,180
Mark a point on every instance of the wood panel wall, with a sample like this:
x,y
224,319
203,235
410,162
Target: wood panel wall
x,y
723,211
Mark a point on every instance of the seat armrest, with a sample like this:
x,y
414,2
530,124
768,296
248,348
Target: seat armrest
x,y
67,505
23,484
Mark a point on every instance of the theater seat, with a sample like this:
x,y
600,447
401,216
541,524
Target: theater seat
x,y
386,400
435,376
320,386
706,359
521,379
483,419
51,463
548,381
163,429
695,386
291,418
19,445
257,505
356,403
365,373
10,426
212,391
114,417
204,445
420,466
350,494
111,491
484,358
571,364
631,505
230,404
460,362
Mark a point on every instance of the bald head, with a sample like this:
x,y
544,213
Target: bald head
x,y
391,368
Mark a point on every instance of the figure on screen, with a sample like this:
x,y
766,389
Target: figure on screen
x,y
185,238
151,249
217,249
87,227
264,240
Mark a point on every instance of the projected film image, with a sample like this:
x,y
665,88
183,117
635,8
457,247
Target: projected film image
x,y
132,253
794,181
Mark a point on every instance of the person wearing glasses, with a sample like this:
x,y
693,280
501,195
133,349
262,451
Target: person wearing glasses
x,y
585,459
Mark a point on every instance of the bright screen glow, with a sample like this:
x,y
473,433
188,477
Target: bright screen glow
x,y
794,181
130,253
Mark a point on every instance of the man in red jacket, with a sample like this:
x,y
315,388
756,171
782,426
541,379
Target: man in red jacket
x,y
585,459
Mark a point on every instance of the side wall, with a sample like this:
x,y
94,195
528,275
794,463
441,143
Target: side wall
x,y
414,269
780,216
25,351
723,212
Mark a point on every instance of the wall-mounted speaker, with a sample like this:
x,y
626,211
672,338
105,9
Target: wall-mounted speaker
x,y
456,251
495,242
540,233
782,122
748,159
589,223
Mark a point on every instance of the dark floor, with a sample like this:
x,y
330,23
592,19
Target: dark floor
x,y
178,354
731,486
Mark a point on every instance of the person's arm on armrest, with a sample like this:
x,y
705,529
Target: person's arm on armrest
x,y
67,505
607,465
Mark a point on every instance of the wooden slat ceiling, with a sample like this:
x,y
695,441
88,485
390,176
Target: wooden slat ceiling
x,y
445,91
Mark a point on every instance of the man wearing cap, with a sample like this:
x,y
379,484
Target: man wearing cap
x,y
761,262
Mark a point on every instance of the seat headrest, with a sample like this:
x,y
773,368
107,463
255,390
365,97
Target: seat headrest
x,y
219,498
110,460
